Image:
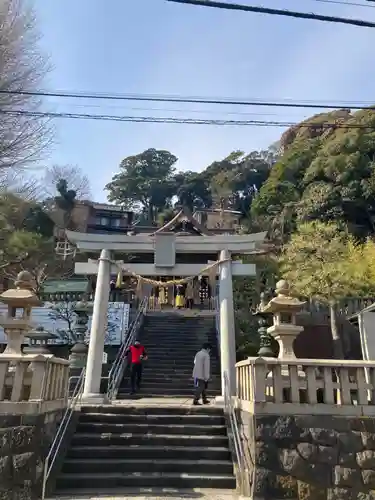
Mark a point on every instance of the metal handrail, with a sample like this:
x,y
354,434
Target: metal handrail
x,y
56,444
238,447
217,321
117,371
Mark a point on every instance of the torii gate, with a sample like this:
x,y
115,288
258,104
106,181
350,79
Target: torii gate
x,y
165,246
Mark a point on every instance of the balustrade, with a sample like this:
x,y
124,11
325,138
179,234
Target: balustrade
x,y
271,385
30,383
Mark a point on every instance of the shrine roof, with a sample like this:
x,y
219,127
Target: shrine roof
x,y
63,286
184,222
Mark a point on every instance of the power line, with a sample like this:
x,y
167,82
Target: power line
x,y
187,100
276,12
186,121
354,4
169,110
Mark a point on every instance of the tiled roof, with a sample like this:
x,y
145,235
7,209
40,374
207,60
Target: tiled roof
x,y
59,286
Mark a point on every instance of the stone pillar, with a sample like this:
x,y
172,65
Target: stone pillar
x,y
227,330
91,390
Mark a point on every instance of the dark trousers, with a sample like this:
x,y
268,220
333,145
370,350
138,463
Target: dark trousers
x,y
189,303
135,376
200,390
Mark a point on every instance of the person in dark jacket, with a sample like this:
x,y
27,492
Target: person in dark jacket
x,y
137,354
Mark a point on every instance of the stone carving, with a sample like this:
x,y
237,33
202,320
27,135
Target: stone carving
x,y
17,322
284,308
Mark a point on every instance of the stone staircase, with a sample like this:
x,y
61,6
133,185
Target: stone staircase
x,y
117,447
171,341
142,446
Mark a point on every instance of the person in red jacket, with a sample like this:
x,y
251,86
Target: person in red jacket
x,y
137,354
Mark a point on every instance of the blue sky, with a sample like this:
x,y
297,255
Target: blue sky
x,y
157,47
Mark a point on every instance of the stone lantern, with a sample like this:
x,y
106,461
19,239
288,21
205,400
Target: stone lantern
x,y
20,301
78,353
284,329
39,341
265,348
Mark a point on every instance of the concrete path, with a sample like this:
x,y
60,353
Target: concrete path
x,y
163,494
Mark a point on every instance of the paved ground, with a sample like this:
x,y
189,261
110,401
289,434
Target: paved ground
x,y
165,494
140,401
134,401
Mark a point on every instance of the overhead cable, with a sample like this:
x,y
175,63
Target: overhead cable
x,y
277,12
188,100
186,121
341,2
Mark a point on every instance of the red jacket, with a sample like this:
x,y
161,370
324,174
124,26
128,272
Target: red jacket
x,y
135,353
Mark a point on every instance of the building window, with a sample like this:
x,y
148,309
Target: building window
x,y
116,222
102,221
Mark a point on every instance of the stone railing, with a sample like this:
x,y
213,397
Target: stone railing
x,y
305,386
33,383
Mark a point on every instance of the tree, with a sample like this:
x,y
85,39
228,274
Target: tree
x,y
24,135
326,173
60,207
323,261
72,175
63,311
15,181
192,190
145,182
235,180
40,258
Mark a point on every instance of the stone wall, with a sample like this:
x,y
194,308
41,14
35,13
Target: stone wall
x,y
24,443
311,457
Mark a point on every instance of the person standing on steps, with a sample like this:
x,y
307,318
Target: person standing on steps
x,y
137,354
201,374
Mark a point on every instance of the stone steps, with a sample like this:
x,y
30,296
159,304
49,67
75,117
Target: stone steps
x,y
156,446
139,479
142,428
150,452
155,418
120,465
149,439
150,447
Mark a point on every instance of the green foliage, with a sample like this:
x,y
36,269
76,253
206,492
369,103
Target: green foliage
x,y
326,173
245,300
321,261
37,220
324,262
27,242
65,200
235,180
148,183
144,181
192,190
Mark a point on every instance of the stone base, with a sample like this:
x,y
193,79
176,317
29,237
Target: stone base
x,y
311,457
95,399
219,401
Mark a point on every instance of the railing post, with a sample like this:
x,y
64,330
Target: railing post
x,y
39,371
